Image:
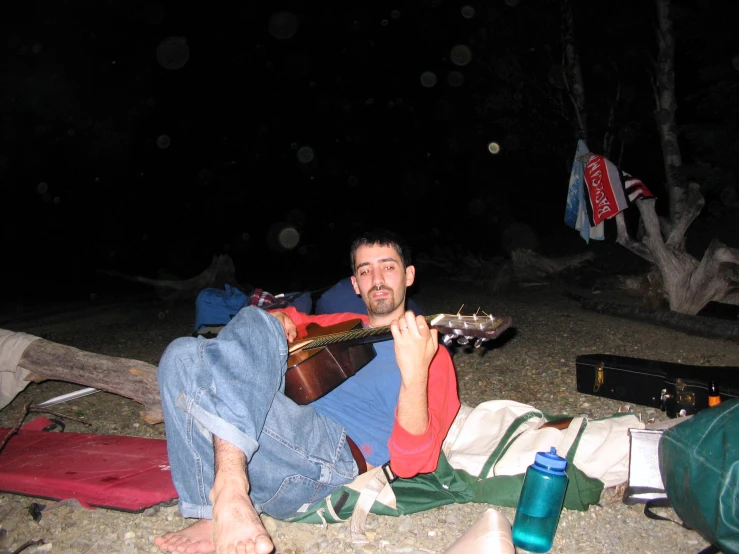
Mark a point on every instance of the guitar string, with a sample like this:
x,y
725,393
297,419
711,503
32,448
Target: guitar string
x,y
356,334
352,335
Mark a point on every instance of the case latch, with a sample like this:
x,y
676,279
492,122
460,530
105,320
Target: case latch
x,y
664,397
600,377
684,398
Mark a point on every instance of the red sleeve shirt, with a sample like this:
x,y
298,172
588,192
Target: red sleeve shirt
x,y
413,454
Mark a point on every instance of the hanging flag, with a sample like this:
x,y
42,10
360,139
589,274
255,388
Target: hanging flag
x,y
576,215
635,188
605,189
598,190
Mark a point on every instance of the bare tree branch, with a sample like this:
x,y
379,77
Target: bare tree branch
x,y
732,298
221,271
16,426
727,254
647,209
625,240
693,207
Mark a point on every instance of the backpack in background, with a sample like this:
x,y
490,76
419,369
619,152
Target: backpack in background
x,y
215,307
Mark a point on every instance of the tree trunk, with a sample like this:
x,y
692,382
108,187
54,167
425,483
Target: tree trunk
x,y
573,70
666,105
688,283
129,378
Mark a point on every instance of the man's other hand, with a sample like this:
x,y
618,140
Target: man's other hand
x,y
291,331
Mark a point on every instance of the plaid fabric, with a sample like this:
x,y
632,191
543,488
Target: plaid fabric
x,y
260,298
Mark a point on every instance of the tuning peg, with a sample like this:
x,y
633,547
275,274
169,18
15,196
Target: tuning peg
x,y
462,340
479,341
447,339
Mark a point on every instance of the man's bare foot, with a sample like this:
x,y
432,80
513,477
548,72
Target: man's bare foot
x,y
244,533
237,527
198,537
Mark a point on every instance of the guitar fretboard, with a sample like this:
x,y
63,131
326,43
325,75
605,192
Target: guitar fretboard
x,y
368,335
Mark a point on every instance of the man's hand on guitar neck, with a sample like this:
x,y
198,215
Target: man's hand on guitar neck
x,y
415,346
291,331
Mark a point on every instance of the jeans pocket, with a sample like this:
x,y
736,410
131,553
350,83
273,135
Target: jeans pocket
x,y
295,492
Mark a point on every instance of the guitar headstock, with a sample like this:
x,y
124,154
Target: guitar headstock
x,y
463,328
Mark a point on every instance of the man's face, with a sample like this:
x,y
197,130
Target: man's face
x,y
380,279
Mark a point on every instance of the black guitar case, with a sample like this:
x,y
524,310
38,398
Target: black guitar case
x,y
668,386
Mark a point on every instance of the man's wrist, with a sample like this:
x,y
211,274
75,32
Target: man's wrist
x,y
417,388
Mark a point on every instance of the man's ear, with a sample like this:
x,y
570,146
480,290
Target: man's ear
x,y
410,275
354,284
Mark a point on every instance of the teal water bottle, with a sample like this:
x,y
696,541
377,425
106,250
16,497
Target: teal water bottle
x,y
540,503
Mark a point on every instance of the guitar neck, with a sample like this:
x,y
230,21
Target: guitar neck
x,y
484,328
356,336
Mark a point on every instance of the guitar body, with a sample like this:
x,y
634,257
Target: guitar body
x,y
313,372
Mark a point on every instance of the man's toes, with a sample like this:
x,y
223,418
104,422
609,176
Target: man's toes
x,y
263,545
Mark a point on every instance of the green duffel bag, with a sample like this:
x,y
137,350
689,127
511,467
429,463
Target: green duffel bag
x,y
699,463
484,458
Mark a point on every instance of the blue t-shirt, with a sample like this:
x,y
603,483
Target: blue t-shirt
x,y
365,404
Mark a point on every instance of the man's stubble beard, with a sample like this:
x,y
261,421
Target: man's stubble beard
x,y
381,306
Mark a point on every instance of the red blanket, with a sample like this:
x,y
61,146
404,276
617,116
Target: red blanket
x,y
109,471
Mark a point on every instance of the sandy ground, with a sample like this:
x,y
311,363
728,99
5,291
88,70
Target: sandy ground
x,y
533,363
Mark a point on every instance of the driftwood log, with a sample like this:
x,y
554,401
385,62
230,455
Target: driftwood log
x,y
525,267
132,379
221,272
686,323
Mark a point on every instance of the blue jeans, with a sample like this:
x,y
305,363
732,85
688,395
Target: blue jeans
x,y
232,387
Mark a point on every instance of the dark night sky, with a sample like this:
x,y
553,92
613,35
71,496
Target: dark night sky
x,y
120,152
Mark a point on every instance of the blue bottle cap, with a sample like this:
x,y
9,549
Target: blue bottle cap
x,y
551,460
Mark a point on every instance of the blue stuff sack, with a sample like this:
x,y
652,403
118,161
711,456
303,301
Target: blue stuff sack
x,y
215,307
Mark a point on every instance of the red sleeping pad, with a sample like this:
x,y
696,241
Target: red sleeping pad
x,y
109,471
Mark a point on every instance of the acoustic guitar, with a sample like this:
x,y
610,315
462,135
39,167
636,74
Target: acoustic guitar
x,y
329,355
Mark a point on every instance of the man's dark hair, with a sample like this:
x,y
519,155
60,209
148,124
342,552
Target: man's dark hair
x,y
381,237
